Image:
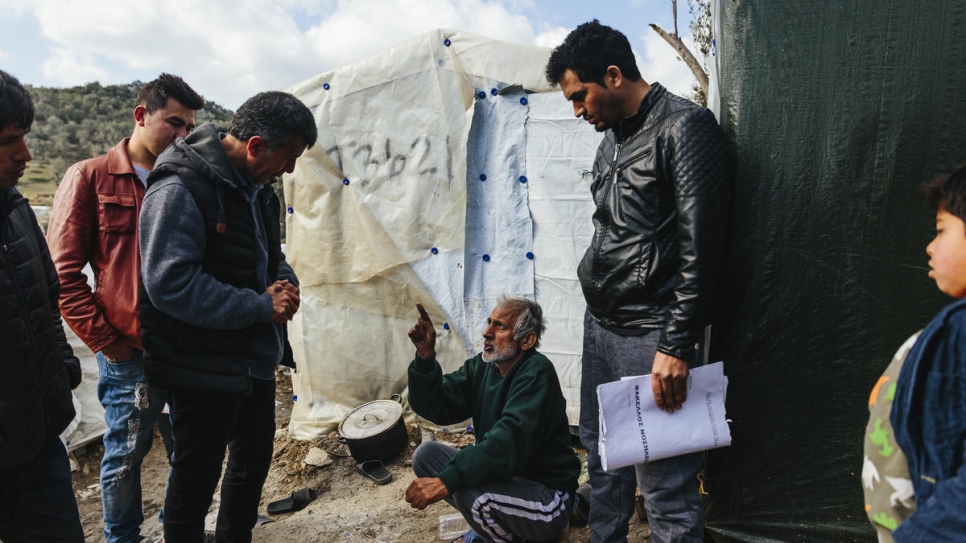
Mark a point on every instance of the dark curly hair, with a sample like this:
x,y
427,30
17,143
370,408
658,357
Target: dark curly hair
x,y
948,193
588,51
277,117
154,94
16,106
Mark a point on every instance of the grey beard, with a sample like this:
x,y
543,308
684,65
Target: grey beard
x,y
497,357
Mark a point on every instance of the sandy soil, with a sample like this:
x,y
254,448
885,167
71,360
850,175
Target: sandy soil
x,y
350,508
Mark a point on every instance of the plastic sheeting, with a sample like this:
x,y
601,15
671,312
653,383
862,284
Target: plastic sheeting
x,y
838,111
88,423
439,177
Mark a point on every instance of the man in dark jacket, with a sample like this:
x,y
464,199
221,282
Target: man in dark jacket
x,y
38,369
217,293
662,189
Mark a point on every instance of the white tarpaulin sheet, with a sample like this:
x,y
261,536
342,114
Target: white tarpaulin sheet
x,y
447,172
88,423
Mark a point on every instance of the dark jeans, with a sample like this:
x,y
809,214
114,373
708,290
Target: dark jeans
x,y
37,499
669,486
203,424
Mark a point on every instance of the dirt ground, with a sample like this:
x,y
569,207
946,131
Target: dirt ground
x,y
349,508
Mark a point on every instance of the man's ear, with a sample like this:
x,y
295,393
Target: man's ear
x,y
613,76
139,114
528,341
256,144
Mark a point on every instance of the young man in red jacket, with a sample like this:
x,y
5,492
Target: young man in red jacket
x,y
94,221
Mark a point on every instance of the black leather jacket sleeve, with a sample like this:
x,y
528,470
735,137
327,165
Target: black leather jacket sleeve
x,y
700,175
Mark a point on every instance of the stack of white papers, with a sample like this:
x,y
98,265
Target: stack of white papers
x,y
633,430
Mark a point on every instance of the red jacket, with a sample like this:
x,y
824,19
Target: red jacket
x,y
95,220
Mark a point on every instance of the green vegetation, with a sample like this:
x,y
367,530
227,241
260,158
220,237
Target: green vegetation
x,y
77,123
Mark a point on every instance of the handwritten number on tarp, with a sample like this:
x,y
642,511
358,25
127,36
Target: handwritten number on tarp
x,y
420,157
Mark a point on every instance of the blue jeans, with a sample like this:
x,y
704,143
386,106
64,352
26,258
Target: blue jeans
x,y
501,511
37,499
669,486
204,424
131,409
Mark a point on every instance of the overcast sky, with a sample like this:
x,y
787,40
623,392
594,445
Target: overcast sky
x,y
228,50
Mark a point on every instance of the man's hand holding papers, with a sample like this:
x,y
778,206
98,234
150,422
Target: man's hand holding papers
x,y
633,429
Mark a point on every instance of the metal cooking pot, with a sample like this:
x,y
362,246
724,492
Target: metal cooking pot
x,y
375,430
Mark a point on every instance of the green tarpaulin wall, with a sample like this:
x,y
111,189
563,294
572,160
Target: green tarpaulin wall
x,y
838,112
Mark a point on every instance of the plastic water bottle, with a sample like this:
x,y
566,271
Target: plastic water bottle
x,y
452,526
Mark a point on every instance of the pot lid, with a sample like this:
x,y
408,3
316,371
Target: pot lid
x,y
370,419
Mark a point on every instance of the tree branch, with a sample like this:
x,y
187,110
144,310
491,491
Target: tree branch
x,y
686,55
674,10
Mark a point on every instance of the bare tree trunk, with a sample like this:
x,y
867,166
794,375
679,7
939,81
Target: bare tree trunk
x,y
686,56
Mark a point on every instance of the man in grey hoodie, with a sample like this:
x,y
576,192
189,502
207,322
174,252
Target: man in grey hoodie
x,y
216,295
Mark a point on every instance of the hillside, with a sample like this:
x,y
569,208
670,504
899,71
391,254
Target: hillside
x,y
75,123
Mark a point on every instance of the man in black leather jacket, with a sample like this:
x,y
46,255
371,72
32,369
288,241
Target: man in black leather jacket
x,y
662,190
38,369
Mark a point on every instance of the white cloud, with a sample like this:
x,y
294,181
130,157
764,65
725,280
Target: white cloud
x,y
67,68
362,27
18,7
223,48
521,5
230,49
552,37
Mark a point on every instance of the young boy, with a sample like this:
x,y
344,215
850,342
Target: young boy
x,y
927,393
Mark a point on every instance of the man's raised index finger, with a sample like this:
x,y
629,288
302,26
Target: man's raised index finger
x,y
422,312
